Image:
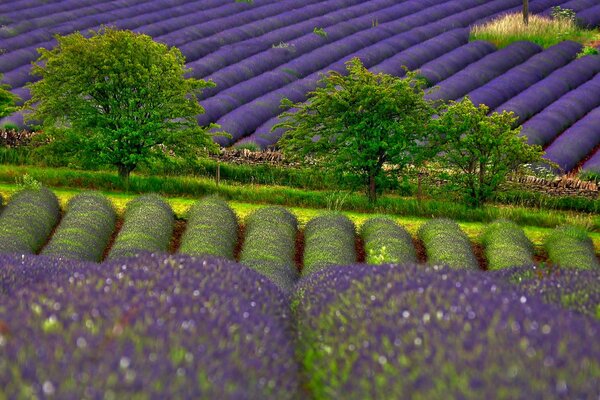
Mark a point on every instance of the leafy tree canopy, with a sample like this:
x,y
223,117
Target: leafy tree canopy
x,y
479,150
117,98
7,101
358,123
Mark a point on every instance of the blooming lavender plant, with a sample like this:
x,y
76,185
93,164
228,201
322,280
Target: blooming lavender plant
x,y
506,245
387,242
328,240
446,243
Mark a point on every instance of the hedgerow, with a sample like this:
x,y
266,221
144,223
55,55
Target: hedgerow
x,y
269,245
571,247
147,226
447,244
328,240
212,229
85,228
506,245
27,220
387,242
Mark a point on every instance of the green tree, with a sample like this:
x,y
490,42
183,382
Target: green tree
x,y
355,124
7,101
478,151
117,98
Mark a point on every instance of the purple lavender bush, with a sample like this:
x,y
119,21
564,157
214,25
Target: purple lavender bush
x,y
150,327
408,332
447,244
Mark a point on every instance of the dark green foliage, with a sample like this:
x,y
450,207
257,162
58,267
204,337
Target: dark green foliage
x,y
212,229
571,247
84,230
270,243
477,151
387,242
447,244
328,240
117,98
27,220
506,245
7,100
147,226
354,125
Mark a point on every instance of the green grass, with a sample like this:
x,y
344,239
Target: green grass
x,y
541,30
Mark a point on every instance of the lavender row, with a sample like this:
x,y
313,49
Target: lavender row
x,y
575,5
519,78
506,245
540,95
85,229
481,72
387,242
407,331
27,220
268,74
593,164
447,244
571,247
281,38
328,240
31,12
270,244
153,327
147,226
574,144
212,229
590,17
247,118
546,125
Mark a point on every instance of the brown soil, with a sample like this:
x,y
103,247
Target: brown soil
x,y
240,242
359,244
113,237
479,252
420,250
299,255
178,230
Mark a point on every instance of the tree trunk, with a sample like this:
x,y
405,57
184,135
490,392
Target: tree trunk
x,y
124,172
526,12
372,188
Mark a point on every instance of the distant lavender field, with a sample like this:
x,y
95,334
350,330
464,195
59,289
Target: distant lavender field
x,y
258,53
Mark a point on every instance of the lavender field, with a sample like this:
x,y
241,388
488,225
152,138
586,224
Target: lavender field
x,y
262,51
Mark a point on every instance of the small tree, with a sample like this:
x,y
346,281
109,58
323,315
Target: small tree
x,y
477,151
353,125
526,12
117,98
7,101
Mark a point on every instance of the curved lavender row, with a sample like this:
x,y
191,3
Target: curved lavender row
x,y
161,327
387,242
574,144
590,17
157,7
481,72
540,95
16,5
310,54
196,49
85,229
535,7
415,56
519,78
27,220
433,333
571,247
446,243
458,59
234,53
16,15
575,289
546,125
575,5
593,164
245,119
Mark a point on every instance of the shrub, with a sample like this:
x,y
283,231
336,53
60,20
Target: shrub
x,y
328,240
414,332
147,226
571,247
506,245
153,327
212,229
269,245
447,244
85,228
387,242
27,220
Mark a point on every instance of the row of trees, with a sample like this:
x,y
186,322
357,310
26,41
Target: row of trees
x,y
121,99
